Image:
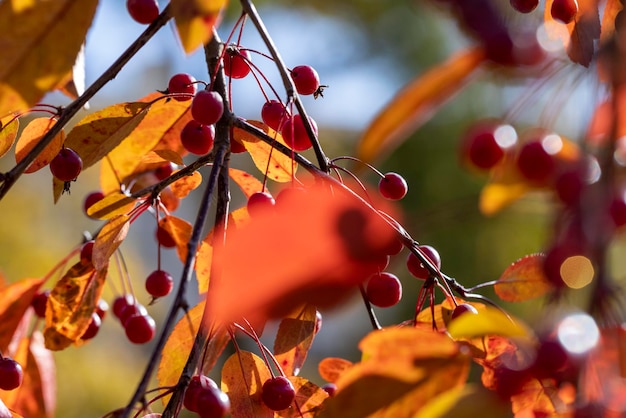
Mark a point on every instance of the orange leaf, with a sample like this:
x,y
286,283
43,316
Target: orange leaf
x,y
246,182
279,167
170,140
294,338
180,231
523,280
504,187
195,20
332,368
183,186
109,239
112,205
611,9
416,102
15,299
71,303
73,85
470,401
100,132
123,160
487,321
308,401
40,42
243,375
9,126
31,135
204,261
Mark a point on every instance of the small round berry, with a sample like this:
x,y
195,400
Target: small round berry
x,y
164,171
278,393
39,303
67,165
294,133
524,6
197,384
415,266
306,79
569,186
182,87
330,388
207,107
197,138
91,199
120,303
393,186
384,290
86,252
159,283
11,374
140,328
274,114
260,202
143,11
237,147
93,328
551,358
212,403
462,309
564,10
236,63
131,310
164,238
617,210
484,143
102,308
535,163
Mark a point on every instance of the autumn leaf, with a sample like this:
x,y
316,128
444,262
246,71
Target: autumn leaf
x,y
183,186
294,338
71,303
416,102
100,132
488,321
73,85
278,167
505,186
109,239
180,231
243,375
113,204
308,400
246,182
611,9
15,299
331,368
523,280
195,20
9,126
31,135
40,42
469,401
204,261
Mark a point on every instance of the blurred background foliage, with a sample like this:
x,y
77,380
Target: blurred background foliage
x,y
365,50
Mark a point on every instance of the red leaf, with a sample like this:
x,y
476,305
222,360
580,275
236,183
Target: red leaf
x,y
15,299
523,280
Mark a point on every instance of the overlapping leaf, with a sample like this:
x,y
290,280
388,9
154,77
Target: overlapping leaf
x,y
183,186
505,186
523,280
294,338
9,126
180,231
488,321
246,182
109,239
331,368
308,401
416,102
15,299
113,204
243,375
31,135
279,167
195,20
469,401
40,42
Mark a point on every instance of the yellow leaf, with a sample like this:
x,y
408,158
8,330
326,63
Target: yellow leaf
x,y
488,321
112,205
243,376
279,167
180,231
523,280
308,401
109,239
504,187
469,401
195,20
246,182
204,261
8,131
294,338
183,186
416,102
40,42
30,136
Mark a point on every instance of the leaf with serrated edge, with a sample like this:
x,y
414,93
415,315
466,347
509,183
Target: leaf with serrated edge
x,y
246,182
15,299
488,321
331,368
31,135
109,239
195,20
523,280
9,126
40,42
183,186
243,375
294,338
180,231
308,400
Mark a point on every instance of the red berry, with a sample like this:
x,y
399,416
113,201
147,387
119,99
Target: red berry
x,y
524,6
236,63
556,256
295,135
330,388
182,87
551,358
535,162
569,186
197,138
212,403
274,114
164,238
102,308
143,11
207,107
484,143
164,171
617,210
67,165
131,310
259,202
120,303
278,393
159,283
93,328
384,290
91,199
564,10
39,302
306,79
86,252
237,147
393,186
415,266
462,309
11,374
140,328
197,384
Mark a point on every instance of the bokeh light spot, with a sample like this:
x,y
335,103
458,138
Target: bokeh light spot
x,y
578,333
577,271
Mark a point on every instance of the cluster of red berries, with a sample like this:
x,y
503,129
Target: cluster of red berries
x,y
205,398
143,11
564,11
139,326
11,374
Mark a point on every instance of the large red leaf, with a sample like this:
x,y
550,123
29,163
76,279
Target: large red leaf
x,y
15,299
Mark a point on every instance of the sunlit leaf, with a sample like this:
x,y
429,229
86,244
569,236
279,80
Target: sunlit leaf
x,y
505,186
31,135
112,205
9,126
243,375
183,186
294,338
523,280
71,303
246,182
308,401
100,132
488,321
469,401
195,20
15,299
611,9
279,167
180,231
331,368
204,261
73,85
109,239
416,102
170,141
40,42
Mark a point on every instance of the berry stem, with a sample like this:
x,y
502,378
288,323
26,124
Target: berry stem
x,y
369,309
